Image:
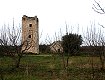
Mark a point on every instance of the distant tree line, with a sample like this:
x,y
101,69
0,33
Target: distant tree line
x,y
43,48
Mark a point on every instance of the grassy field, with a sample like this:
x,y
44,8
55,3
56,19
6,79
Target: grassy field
x,y
48,67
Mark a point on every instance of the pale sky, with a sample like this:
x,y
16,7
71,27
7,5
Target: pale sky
x,y
53,14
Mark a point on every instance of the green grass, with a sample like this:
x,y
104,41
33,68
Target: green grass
x,y
51,68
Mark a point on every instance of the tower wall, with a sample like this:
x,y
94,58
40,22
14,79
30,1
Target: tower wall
x,y
30,33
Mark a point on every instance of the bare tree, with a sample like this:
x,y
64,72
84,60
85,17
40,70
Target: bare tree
x,y
95,39
12,45
97,7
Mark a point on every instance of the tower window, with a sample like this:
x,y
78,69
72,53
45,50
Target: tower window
x,y
30,25
29,36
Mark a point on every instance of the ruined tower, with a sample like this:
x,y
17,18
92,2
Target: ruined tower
x,y
30,34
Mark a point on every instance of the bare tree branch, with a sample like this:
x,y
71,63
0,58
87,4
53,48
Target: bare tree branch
x,y
98,8
101,25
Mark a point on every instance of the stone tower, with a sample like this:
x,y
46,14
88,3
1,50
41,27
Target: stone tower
x,y
30,33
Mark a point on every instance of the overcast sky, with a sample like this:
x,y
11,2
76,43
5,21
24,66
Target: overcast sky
x,y
53,14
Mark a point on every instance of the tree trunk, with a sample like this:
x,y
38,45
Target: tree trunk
x,y
102,62
18,61
67,61
63,58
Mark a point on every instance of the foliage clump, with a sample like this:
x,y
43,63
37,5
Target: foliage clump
x,y
71,43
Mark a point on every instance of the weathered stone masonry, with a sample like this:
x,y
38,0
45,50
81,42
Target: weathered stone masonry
x,y
30,32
